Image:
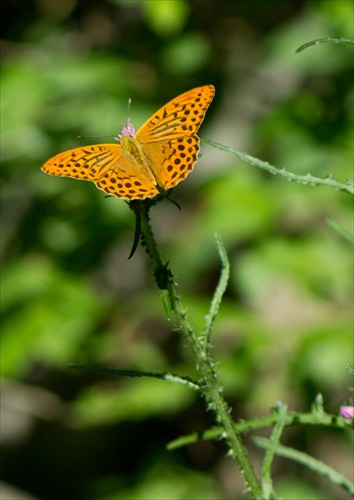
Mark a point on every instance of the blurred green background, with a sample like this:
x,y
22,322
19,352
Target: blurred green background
x,y
69,294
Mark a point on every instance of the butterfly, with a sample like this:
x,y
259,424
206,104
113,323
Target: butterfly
x,y
158,156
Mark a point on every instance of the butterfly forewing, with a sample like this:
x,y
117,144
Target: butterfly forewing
x,y
180,117
89,162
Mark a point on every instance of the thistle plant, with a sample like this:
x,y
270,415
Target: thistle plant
x,y
259,486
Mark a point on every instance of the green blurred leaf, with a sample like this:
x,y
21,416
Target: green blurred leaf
x,y
133,400
46,315
164,17
188,54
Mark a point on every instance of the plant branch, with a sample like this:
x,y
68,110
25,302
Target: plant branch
x,y
292,418
209,385
302,179
309,462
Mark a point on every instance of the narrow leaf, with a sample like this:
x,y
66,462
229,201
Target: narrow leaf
x,y
219,292
323,40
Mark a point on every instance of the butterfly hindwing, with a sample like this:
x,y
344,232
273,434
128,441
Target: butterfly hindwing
x,y
125,180
176,159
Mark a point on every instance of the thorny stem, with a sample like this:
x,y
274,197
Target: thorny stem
x,y
210,387
290,176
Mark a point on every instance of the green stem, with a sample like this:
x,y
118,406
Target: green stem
x,y
302,179
210,387
292,418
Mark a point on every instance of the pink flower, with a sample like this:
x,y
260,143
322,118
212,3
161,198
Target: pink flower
x,y
128,129
347,412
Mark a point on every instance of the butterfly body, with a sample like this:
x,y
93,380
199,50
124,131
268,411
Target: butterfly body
x,y
134,150
161,153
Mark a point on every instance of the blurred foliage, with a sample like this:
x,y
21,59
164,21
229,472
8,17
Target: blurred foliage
x,y
70,295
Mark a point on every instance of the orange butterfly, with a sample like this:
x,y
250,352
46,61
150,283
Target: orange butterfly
x,y
161,153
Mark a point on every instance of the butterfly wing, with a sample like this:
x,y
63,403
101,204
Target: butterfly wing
x,y
107,165
169,138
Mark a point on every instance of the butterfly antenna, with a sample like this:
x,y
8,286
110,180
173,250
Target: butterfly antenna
x,y
92,136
